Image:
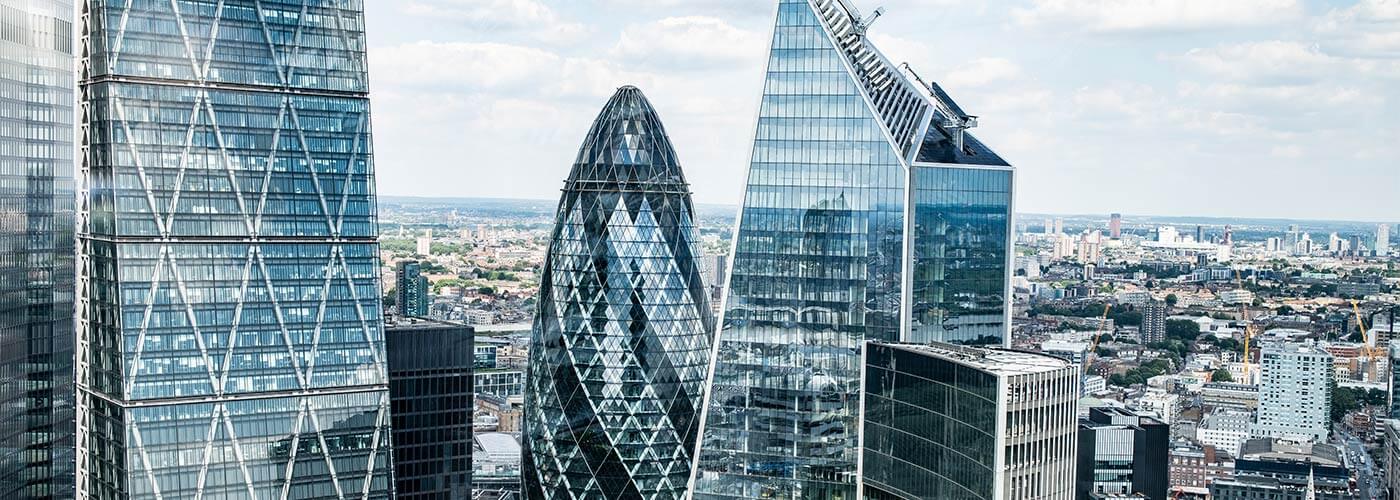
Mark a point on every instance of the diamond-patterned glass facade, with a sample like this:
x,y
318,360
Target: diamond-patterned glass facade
x,y
622,338
36,249
230,318
853,229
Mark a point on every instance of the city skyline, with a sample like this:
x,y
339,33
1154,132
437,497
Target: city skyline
x,y
1093,118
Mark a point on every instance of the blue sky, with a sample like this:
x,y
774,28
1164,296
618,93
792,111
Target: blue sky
x,y
1260,108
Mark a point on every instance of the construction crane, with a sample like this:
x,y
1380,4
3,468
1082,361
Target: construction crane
x,y
1248,326
1369,350
1094,348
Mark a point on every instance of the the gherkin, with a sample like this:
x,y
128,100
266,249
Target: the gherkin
x,y
621,344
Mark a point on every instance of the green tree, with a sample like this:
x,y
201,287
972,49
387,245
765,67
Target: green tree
x,y
1221,376
1172,299
1343,401
1181,329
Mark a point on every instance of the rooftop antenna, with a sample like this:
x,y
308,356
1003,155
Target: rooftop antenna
x,y
955,119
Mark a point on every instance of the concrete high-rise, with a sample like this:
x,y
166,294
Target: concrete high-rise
x,y
870,213
621,346
1154,322
36,250
1383,240
1295,396
940,422
411,291
1115,226
230,329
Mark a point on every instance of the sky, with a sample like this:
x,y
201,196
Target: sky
x,y
1234,108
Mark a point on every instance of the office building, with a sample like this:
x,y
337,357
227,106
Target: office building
x,y
1059,225
1295,395
1188,465
36,243
430,387
1383,240
499,381
496,466
1115,226
1394,383
1280,470
1229,395
825,259
1392,456
1225,429
424,245
230,313
941,421
1049,227
1121,453
411,291
1154,322
1236,297
621,346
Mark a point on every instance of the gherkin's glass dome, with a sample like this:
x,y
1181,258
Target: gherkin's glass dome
x,y
621,344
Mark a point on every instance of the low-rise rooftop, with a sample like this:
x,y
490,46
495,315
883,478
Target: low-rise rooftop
x,y
993,360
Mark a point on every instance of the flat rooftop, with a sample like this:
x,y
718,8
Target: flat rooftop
x,y
994,360
412,323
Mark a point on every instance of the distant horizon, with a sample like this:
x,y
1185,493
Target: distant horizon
x,y
1126,216
1252,108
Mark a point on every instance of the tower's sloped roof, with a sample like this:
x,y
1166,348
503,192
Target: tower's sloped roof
x,y
627,148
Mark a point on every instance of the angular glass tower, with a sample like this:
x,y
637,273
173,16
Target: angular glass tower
x,y
870,214
36,249
230,333
622,337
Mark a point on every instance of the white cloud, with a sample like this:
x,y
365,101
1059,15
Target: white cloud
x,y
983,71
531,17
497,67
692,43
1368,29
1268,61
1118,16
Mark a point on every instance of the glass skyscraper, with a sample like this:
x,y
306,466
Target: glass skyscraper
x,y
430,387
230,333
36,249
869,214
622,337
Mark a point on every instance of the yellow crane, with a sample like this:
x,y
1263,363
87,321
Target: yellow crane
x,y
1103,322
1369,350
1248,326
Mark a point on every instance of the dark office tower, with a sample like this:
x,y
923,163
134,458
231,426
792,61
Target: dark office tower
x,y
869,214
946,421
1200,234
1115,226
411,289
230,335
1121,454
622,337
36,250
430,385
